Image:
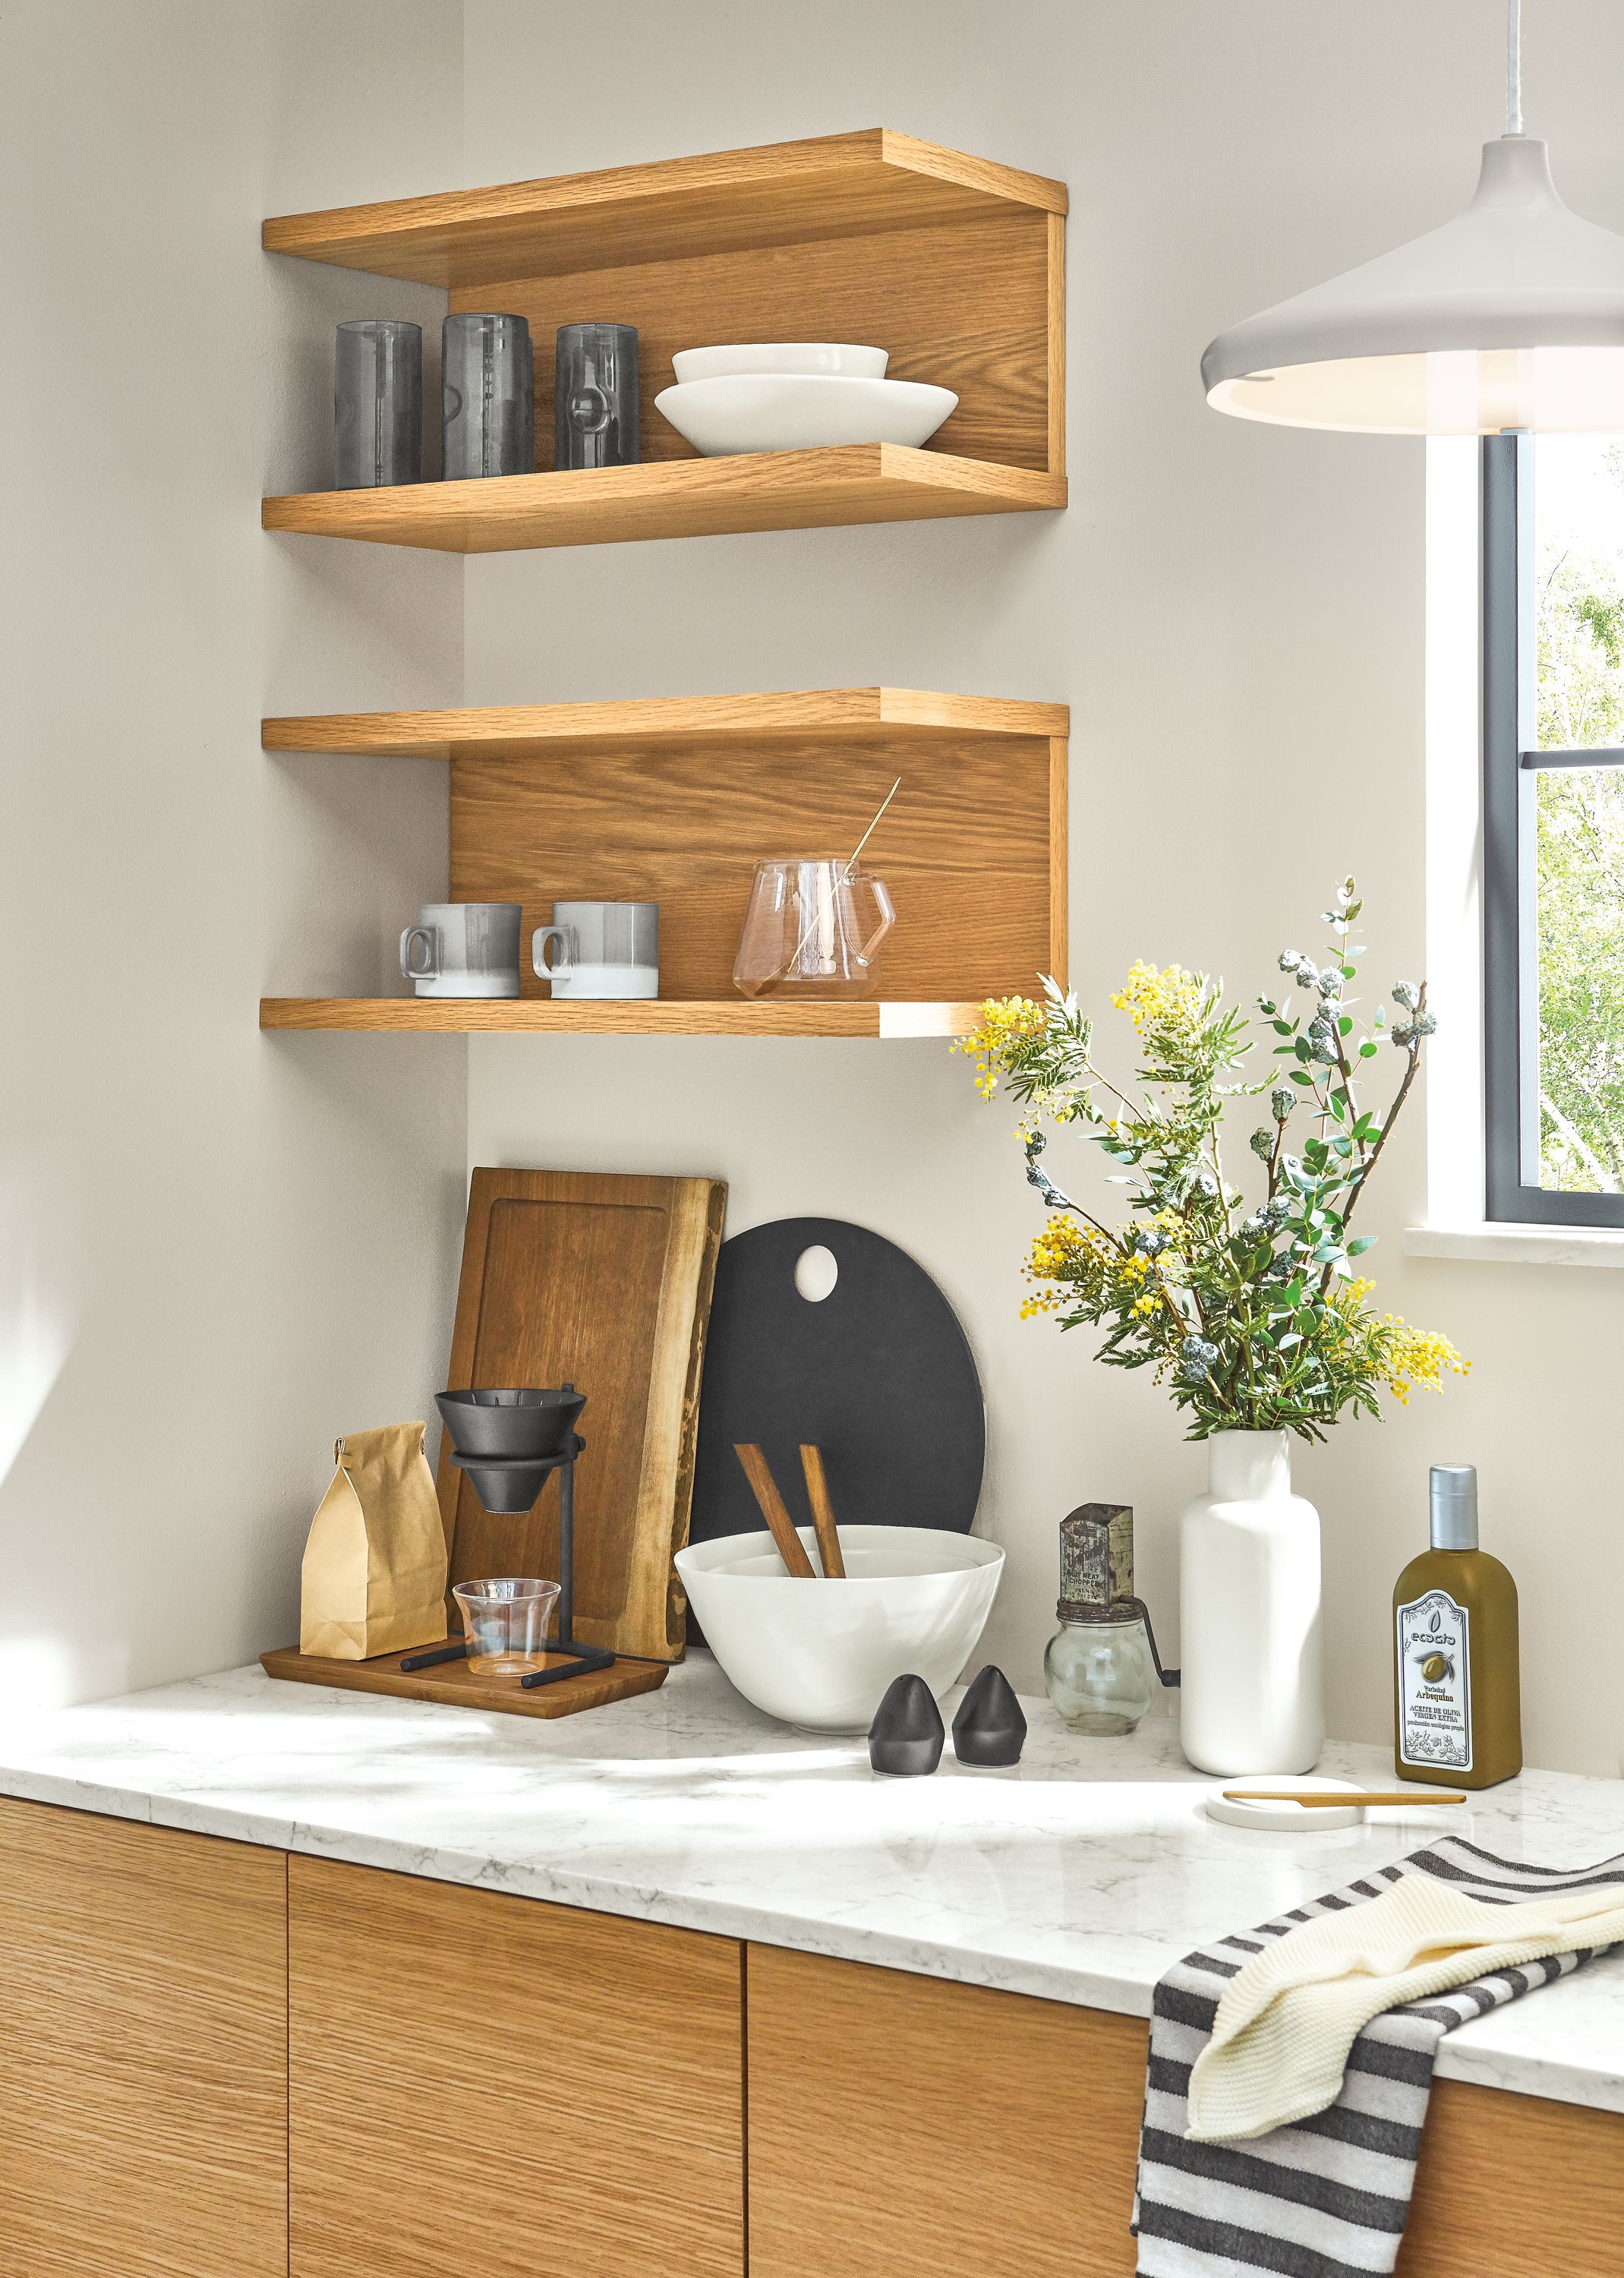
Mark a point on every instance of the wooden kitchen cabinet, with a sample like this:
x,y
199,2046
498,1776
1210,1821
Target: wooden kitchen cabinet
x,y
900,2125
896,2121
527,2090
144,2093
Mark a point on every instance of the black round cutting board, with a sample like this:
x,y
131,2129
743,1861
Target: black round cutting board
x,y
878,1374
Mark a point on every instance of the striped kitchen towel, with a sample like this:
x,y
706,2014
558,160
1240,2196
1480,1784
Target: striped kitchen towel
x,y
1326,2196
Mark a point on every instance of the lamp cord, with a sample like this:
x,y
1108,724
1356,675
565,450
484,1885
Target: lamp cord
x,y
1513,66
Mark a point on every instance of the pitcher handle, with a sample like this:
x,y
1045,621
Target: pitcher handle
x,y
888,915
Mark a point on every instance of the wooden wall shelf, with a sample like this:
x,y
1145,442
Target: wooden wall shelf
x,y
735,1016
672,799
955,265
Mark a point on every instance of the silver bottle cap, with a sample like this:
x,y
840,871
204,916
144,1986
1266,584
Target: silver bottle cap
x,y
1453,1495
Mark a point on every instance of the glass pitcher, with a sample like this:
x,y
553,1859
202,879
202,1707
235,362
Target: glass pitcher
x,y
812,930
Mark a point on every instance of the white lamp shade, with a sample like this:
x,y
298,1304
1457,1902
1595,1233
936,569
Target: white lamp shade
x,y
1511,315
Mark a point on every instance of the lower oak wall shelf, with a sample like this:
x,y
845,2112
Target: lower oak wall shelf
x,y
729,1017
224,2058
673,799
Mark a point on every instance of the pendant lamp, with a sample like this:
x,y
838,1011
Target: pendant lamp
x,y
1510,317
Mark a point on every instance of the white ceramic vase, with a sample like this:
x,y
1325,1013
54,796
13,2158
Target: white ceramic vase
x,y
1253,1687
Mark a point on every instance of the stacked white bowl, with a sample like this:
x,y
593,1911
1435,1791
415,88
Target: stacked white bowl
x,y
796,395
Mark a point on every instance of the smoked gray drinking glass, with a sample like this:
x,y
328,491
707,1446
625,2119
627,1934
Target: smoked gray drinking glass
x,y
376,404
595,399
487,380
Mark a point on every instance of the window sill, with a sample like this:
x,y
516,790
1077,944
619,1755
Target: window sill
x,y
1519,1245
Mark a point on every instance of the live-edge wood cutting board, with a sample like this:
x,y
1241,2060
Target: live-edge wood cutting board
x,y
602,1282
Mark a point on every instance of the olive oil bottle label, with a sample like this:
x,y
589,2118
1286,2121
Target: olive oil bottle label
x,y
1435,1682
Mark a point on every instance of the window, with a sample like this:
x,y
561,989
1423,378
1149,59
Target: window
x,y
1554,827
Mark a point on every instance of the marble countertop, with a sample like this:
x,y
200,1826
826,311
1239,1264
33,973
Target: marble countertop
x,y
1079,1874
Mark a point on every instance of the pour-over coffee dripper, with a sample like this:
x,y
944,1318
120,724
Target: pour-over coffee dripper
x,y
509,1440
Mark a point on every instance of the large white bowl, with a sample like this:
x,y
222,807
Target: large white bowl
x,y
821,1654
801,411
781,356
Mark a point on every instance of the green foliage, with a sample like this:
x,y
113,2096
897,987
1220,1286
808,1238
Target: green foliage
x,y
1580,857
1253,1318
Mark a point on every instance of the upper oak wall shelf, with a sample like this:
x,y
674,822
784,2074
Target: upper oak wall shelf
x,y
955,265
671,798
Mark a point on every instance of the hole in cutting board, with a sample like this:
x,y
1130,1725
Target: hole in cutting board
x,y
816,1270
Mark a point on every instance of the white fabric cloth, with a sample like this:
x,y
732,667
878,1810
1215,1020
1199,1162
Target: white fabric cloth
x,y
1280,2043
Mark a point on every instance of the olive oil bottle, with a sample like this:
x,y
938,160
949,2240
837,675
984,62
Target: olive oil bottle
x,y
1458,1709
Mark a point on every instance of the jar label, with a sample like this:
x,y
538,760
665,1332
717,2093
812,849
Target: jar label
x,y
1435,1682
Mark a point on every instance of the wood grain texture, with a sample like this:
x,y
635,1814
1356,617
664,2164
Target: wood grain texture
x,y
778,193
143,2099
457,1684
1059,860
824,1524
604,1282
965,848
903,714
671,498
965,307
1011,2127
537,1017
525,2090
1515,2187
780,1525
892,2117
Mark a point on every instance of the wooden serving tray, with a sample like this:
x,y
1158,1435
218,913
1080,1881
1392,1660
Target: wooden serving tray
x,y
455,1685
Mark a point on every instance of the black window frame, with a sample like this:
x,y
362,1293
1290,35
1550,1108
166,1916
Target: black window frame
x,y
1511,764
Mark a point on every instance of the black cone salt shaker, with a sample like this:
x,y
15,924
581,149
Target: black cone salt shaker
x,y
906,1737
990,1728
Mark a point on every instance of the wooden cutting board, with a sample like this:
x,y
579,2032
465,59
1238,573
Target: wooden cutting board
x,y
605,1282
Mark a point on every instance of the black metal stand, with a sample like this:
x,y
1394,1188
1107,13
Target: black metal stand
x,y
581,1657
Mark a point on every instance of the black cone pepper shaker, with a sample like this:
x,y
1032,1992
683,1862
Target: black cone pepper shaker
x,y
990,1728
906,1737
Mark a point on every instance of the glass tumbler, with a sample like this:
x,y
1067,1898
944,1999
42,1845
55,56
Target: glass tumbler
x,y
595,397
812,929
377,405
488,392
505,1621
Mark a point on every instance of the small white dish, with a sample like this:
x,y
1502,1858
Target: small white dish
x,y
838,357
819,1654
1288,1817
802,411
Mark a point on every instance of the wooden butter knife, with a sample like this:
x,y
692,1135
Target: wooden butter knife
x,y
1327,1798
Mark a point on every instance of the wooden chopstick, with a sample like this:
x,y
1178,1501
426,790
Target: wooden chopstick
x,y
1326,1798
823,1514
780,1525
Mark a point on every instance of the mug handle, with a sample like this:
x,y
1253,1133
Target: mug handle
x,y
564,937
408,939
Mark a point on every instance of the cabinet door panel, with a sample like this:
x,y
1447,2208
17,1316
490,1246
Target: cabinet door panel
x,y
894,2120
143,2092
902,2125
532,2091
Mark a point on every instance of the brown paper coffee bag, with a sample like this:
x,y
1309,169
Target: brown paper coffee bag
x,y
374,1574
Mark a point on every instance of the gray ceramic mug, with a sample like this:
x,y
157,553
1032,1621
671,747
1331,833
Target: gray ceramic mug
x,y
603,950
463,949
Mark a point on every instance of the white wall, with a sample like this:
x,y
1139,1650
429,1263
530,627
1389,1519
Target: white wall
x,y
1236,618
217,1250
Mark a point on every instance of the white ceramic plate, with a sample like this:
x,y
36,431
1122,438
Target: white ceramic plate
x,y
801,411
819,1654
1289,1818
781,356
